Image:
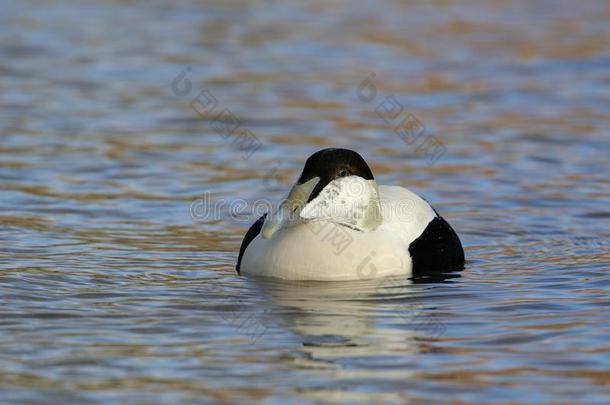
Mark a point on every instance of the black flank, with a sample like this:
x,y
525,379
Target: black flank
x,y
437,250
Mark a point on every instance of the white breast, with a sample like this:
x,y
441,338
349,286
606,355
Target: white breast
x,y
323,250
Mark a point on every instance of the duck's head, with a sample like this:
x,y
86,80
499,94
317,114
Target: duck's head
x,y
336,185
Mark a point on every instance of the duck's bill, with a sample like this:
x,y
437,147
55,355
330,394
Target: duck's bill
x,y
289,208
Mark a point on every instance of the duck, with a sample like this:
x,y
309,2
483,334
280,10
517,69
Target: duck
x,y
337,224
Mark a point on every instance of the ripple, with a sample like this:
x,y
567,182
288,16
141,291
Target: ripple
x,y
111,291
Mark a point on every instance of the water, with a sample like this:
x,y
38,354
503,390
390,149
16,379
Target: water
x,y
116,277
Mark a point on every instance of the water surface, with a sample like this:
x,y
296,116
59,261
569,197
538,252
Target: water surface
x,y
117,279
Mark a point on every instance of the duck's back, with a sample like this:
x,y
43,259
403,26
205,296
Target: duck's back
x,y
405,214
433,245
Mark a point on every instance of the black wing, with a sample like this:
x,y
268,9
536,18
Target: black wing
x,y
254,230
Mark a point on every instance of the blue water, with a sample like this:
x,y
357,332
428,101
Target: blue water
x,y
124,199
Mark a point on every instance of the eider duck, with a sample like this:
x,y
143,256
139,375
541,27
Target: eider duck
x,y
337,224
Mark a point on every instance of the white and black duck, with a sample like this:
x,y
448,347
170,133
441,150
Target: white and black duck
x,y
337,224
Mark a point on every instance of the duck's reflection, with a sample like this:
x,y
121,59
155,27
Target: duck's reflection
x,y
351,314
325,312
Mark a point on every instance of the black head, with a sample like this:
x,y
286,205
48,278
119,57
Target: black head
x,y
329,164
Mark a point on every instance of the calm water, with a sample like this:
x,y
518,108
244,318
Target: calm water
x,y
122,208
